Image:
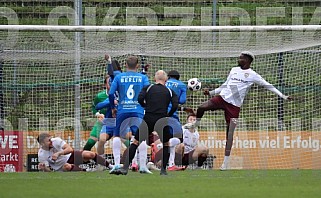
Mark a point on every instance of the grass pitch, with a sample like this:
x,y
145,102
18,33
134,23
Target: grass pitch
x,y
189,183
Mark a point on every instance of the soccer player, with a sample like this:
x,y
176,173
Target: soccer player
x,y
108,122
155,99
180,89
101,97
129,112
189,151
231,95
192,151
55,154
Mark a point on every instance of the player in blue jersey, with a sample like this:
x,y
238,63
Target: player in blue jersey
x,y
107,120
129,112
155,99
180,89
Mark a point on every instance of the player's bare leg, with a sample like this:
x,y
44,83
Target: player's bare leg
x,y
173,142
206,106
101,144
88,155
229,142
71,167
200,154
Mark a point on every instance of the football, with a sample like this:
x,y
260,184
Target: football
x,y
194,84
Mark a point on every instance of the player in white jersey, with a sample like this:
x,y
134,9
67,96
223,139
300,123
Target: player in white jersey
x,y
192,150
55,154
231,95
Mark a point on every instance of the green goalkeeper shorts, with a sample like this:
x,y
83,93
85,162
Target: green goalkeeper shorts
x,y
95,131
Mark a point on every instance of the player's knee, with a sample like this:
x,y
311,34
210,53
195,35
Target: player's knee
x,y
67,167
203,155
174,141
181,146
88,155
203,150
102,139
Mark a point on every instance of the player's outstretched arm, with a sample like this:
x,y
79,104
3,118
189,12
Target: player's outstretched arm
x,y
110,69
261,81
102,104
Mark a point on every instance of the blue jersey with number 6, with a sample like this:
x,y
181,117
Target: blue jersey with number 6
x,y
128,84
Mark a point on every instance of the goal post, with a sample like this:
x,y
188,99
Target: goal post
x,y
39,70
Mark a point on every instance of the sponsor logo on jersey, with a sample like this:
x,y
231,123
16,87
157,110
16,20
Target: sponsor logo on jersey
x,y
240,80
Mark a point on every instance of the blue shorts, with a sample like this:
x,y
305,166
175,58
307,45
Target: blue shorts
x,y
125,121
175,126
108,130
109,125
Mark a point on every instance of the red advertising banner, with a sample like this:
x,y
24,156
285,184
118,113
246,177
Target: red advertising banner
x,y
11,151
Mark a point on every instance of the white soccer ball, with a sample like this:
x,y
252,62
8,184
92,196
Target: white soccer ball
x,y
194,84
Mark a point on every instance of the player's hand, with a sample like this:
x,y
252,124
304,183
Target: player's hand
x,y
206,92
290,98
147,66
55,156
101,117
41,166
114,112
108,58
115,102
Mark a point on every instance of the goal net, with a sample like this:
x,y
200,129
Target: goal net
x,y
50,74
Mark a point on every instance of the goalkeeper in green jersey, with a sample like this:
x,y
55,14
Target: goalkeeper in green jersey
x,y
100,97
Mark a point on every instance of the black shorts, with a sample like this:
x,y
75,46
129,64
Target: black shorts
x,y
75,158
151,120
185,160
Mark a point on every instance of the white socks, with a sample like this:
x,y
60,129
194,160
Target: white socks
x,y
142,155
116,150
172,144
226,160
225,163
